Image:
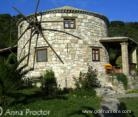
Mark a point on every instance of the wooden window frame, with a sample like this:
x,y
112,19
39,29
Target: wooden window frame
x,y
39,49
69,20
95,53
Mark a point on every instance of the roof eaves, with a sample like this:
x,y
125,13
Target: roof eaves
x,y
68,9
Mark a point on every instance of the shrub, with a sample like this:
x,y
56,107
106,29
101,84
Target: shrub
x,y
122,78
87,82
11,80
49,83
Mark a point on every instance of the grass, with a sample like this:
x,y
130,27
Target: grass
x,y
64,108
30,91
67,106
132,91
131,104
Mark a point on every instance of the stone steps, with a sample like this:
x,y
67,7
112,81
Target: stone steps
x,y
110,96
110,86
101,92
134,82
127,95
109,102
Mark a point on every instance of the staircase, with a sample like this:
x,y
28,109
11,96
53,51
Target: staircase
x,y
110,91
134,81
109,86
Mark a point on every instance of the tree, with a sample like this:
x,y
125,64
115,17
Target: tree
x,y
11,79
119,28
49,83
8,30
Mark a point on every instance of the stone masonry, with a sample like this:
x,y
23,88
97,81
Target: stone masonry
x,y
74,46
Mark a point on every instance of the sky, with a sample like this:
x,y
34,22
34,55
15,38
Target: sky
x,y
120,10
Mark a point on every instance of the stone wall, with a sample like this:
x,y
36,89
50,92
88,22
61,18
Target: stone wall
x,y
73,45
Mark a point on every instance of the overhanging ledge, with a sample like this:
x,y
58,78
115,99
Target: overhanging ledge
x,y
118,39
128,48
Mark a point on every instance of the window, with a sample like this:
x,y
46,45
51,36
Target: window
x,y
69,23
41,54
95,54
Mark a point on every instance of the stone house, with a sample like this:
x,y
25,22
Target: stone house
x,y
79,37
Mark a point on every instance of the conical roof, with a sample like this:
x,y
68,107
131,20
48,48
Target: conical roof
x,y
67,7
70,9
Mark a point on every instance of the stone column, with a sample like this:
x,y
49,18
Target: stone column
x,y
134,56
125,60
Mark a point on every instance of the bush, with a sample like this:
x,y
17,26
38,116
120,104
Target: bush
x,y
87,83
88,80
122,78
11,80
49,83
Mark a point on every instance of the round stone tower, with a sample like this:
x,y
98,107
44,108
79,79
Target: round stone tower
x,y
74,34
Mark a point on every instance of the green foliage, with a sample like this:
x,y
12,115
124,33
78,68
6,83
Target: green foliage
x,y
86,83
119,61
133,91
122,78
83,92
10,79
50,83
119,28
113,55
131,104
8,30
12,59
65,91
60,107
88,80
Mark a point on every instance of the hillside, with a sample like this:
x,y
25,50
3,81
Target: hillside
x,y
8,30
119,28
